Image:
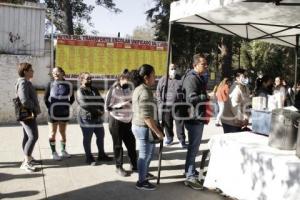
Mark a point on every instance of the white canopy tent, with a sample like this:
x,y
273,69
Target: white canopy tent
x,y
274,21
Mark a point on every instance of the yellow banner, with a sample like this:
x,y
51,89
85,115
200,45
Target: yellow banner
x,y
108,56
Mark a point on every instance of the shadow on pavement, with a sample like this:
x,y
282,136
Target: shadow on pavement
x,y
7,177
18,194
10,164
126,190
75,161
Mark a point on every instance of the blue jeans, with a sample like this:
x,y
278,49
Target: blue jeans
x,y
221,110
87,138
146,150
195,130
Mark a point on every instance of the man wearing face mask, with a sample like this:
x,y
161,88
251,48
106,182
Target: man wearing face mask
x,y
235,117
174,84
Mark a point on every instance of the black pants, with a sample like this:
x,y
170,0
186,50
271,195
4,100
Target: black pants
x,y
31,135
168,126
121,132
231,129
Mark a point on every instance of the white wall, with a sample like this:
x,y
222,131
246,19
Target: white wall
x,y
8,77
22,29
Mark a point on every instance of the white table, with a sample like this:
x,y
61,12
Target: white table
x,y
242,165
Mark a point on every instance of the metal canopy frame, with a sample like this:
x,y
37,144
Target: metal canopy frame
x,y
254,25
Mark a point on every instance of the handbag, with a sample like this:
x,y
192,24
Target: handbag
x,y
153,137
22,113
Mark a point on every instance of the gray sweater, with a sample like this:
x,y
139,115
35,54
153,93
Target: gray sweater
x,y
143,105
118,103
173,86
27,95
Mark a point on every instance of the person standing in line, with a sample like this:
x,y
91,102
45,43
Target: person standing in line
x,y
144,120
28,97
235,117
119,105
222,96
279,92
91,110
174,84
194,86
59,97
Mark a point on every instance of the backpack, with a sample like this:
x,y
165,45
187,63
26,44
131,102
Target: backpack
x,y
181,107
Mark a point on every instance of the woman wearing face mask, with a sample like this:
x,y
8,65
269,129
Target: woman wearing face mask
x,y
90,118
59,96
118,104
235,117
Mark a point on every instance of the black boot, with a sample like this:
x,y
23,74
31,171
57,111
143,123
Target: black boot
x,y
104,157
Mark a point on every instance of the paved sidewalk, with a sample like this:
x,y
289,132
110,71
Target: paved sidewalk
x,y
72,179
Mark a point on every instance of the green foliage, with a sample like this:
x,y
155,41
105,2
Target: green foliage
x,y
186,41
271,59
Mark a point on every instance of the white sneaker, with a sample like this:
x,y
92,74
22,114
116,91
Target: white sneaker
x,y
27,167
55,156
65,154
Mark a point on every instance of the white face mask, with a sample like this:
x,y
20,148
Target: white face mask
x,y
244,81
172,73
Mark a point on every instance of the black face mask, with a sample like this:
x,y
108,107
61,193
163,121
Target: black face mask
x,y
88,84
125,86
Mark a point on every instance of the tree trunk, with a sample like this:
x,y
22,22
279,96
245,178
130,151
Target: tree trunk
x,y
226,57
68,26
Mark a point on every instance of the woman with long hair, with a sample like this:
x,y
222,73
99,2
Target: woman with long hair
x,y
222,96
279,92
28,97
144,116
119,104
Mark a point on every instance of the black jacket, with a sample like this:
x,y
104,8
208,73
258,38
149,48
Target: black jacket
x,y
173,86
59,92
91,104
194,87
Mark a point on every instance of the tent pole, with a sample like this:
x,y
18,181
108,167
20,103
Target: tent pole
x,y
239,56
164,99
296,61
